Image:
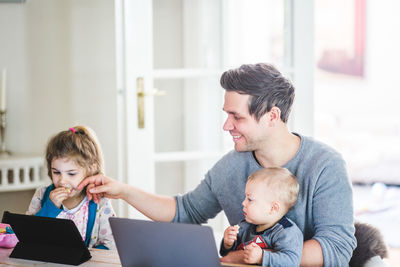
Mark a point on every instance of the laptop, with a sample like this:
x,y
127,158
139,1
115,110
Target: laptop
x,y
147,243
46,239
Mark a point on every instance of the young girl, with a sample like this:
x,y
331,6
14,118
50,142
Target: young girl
x,y
72,156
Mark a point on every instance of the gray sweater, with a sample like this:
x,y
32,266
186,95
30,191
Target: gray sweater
x,y
284,237
324,209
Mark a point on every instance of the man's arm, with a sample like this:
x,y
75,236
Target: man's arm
x,y
236,256
333,218
312,254
156,207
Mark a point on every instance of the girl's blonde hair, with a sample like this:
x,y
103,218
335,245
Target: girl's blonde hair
x,y
78,144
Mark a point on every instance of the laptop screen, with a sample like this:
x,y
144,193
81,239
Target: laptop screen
x,y
148,243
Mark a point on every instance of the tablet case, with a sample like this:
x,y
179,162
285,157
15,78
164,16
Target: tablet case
x,y
47,239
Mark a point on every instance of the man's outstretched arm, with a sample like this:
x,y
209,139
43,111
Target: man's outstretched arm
x,y
156,207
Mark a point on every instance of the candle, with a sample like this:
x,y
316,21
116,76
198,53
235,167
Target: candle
x,y
3,91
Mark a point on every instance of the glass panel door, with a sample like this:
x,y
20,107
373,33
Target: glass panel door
x,y
173,54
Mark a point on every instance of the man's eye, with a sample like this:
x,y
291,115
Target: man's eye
x,y
71,174
56,172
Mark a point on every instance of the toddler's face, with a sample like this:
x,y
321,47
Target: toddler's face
x,y
66,173
257,203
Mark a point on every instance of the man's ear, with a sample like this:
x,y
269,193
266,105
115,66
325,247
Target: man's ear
x,y
275,207
274,115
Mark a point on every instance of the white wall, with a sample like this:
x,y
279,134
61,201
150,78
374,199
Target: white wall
x,y
60,58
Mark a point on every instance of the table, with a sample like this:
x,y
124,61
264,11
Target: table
x,y
100,257
109,258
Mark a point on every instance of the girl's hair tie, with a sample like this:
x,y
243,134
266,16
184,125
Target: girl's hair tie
x,y
72,130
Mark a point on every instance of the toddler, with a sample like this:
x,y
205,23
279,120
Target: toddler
x,y
266,235
72,156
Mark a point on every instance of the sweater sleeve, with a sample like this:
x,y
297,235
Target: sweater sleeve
x,y
287,244
333,215
47,210
104,239
36,202
222,250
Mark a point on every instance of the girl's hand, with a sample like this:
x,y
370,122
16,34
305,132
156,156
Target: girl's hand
x,y
253,254
58,195
230,236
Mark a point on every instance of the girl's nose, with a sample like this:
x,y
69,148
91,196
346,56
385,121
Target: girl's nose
x,y
63,178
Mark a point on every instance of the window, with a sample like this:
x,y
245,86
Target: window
x,y
356,100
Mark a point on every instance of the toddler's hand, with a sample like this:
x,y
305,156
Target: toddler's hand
x,y
58,195
253,254
230,236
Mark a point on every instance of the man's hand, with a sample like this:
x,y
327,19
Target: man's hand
x,y
230,236
253,254
101,186
236,256
58,195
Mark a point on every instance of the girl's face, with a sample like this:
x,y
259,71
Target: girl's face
x,y
66,173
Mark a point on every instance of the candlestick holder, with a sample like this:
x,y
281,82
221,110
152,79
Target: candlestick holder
x,y
3,150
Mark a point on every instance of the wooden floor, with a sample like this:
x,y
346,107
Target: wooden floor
x,y
394,258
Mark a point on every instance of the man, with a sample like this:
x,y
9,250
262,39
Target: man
x,y
258,100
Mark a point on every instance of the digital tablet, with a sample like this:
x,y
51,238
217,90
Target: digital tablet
x,y
47,239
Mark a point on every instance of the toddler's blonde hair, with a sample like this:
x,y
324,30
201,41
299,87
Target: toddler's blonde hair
x,y
279,181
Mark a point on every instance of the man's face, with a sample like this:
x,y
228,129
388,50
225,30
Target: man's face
x,y
247,133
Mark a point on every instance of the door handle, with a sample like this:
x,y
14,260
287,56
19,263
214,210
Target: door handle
x,y
140,100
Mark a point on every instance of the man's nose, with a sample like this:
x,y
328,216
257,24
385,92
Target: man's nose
x,y
228,125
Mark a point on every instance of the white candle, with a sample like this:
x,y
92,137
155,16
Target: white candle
x,y
3,91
